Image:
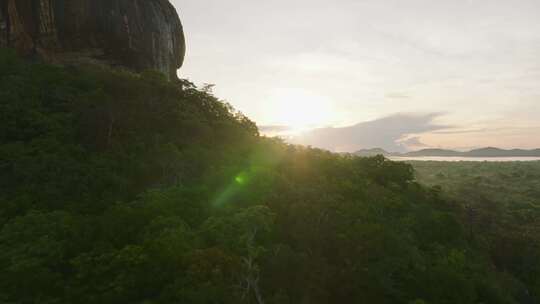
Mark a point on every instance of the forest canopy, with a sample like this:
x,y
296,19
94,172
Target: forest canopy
x,y
126,188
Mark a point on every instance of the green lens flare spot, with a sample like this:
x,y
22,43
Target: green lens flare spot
x,y
241,179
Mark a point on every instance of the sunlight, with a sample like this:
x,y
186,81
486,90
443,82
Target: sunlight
x,y
299,109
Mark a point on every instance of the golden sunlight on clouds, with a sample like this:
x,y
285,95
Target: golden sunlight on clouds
x,y
309,64
299,109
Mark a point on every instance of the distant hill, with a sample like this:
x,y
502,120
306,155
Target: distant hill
x,y
483,152
433,152
496,152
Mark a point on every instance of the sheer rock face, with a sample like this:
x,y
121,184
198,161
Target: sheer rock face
x,y
137,34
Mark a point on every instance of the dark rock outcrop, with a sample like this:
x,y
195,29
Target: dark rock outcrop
x,y
137,34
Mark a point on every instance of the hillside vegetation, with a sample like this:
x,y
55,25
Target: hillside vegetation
x,y
501,209
125,188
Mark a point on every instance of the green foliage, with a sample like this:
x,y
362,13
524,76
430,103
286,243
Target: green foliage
x,y
125,188
499,203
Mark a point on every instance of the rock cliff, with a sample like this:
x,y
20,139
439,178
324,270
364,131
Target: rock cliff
x,y
137,34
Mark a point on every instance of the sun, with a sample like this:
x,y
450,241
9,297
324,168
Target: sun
x,y
299,110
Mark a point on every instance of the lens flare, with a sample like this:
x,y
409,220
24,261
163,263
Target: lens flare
x,y
262,160
241,179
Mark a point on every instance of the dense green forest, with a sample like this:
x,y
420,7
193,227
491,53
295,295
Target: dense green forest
x,y
126,188
501,210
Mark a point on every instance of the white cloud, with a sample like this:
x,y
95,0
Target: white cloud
x,y
387,133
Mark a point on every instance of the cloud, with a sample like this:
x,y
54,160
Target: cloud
x,y
397,95
282,131
460,131
413,143
274,128
387,133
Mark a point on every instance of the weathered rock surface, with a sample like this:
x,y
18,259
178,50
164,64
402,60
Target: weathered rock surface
x,y
137,34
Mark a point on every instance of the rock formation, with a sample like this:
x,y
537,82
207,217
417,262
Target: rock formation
x,y
137,34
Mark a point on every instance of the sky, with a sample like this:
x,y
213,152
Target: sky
x,y
402,75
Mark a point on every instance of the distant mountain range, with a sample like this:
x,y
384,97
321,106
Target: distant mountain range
x,y
484,152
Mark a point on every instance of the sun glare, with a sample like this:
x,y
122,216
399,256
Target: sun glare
x,y
299,110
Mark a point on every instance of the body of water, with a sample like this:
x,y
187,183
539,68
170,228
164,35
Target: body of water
x,y
457,159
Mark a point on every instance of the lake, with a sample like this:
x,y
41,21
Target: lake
x,y
465,159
